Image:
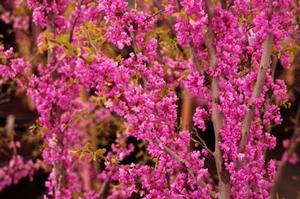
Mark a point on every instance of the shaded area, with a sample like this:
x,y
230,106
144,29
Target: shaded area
x,y
26,189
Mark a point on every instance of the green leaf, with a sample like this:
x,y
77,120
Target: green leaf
x,y
99,154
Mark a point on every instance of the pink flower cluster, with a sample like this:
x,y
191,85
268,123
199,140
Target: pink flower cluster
x,y
17,169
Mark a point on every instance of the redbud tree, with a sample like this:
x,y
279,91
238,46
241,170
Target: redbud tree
x,y
102,73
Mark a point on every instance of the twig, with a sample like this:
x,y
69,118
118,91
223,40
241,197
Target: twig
x,y
75,21
90,41
182,161
157,13
204,145
274,64
134,44
194,57
103,188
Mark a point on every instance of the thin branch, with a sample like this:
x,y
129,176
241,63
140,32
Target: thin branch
x,y
157,13
134,44
49,53
204,145
103,188
264,65
90,41
194,57
217,117
274,64
192,47
169,151
75,21
182,161
201,142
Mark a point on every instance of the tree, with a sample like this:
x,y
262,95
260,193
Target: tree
x,y
109,71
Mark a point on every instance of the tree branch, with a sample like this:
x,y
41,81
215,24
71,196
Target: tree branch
x,y
264,65
217,117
